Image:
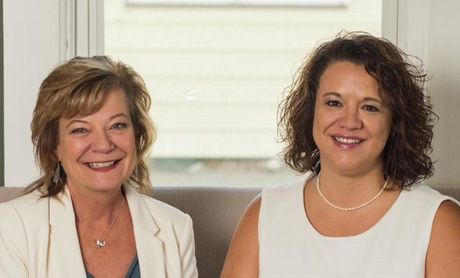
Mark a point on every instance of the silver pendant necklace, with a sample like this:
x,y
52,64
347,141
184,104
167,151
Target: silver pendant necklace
x,y
101,242
350,208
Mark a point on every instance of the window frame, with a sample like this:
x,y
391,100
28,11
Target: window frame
x,y
320,3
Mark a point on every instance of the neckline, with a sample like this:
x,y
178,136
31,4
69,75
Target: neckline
x,y
132,268
309,226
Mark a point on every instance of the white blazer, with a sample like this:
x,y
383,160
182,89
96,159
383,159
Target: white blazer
x,y
38,238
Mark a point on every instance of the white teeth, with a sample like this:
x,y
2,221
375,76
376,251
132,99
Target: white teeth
x,y
97,165
347,141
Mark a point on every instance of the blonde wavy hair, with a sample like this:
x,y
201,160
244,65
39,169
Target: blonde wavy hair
x,y
79,87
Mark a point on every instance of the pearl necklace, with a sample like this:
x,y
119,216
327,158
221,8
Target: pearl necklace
x,y
350,208
100,242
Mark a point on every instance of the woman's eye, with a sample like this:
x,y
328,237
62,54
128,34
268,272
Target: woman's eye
x,y
370,108
79,130
119,126
333,103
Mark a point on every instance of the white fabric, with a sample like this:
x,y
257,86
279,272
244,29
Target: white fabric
x,y
38,238
395,247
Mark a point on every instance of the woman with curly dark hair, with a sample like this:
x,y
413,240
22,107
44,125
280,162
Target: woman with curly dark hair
x,y
357,120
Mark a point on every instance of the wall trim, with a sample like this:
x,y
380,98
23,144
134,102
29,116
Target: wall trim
x,y
88,27
413,23
390,20
2,116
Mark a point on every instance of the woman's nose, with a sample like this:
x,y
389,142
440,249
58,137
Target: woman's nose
x,y
102,142
351,119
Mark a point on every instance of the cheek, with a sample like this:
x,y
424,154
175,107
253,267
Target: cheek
x,y
386,128
382,133
71,149
321,121
127,143
315,132
63,151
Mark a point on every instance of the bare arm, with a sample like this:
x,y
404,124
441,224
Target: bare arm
x,y
443,255
243,255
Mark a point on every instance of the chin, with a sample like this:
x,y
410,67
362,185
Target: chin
x,y
350,167
107,185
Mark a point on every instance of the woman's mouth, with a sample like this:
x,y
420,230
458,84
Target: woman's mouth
x,y
102,165
347,141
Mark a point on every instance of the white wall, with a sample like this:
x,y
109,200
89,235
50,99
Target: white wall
x,y
38,35
31,49
430,30
443,61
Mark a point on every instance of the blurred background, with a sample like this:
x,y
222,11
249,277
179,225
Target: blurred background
x,y
216,71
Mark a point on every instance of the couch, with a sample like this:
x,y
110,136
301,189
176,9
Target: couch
x,y
215,212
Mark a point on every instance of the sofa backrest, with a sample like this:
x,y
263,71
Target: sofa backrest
x,y
215,212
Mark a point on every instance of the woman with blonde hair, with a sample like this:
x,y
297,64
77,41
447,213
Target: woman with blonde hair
x,y
89,214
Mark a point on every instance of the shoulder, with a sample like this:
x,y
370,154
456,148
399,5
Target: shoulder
x,y
164,211
25,216
448,213
423,191
283,192
160,211
248,225
251,215
447,220
444,249
277,201
165,216
243,253
425,198
247,230
29,206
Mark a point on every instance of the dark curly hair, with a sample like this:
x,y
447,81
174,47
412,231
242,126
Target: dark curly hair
x,y
80,87
406,154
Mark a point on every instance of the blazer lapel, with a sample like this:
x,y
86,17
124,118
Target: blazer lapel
x,y
149,246
64,258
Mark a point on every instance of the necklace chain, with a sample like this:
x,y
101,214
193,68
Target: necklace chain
x,y
349,208
101,242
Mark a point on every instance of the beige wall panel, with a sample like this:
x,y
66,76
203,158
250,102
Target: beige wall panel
x,y
228,145
211,64
239,91
265,38
210,118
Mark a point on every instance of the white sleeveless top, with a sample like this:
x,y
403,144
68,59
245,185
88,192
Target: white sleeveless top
x,y
394,247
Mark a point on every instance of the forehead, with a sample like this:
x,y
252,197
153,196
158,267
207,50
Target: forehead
x,y
345,77
112,101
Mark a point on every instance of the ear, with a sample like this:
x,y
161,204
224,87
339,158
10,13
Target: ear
x,y
57,152
57,148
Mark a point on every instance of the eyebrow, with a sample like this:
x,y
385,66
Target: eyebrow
x,y
85,122
340,96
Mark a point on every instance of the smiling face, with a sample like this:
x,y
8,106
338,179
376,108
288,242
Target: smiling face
x,y
98,151
351,122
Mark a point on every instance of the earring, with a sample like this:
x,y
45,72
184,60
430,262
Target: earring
x,y
57,173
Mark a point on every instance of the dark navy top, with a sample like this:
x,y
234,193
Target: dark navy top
x,y
133,271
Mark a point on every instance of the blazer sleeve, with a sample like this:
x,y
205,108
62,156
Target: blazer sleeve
x,y
187,250
13,243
